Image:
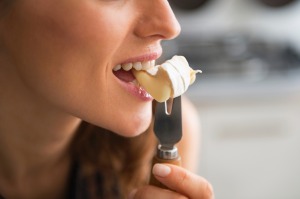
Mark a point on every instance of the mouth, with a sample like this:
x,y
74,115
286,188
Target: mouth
x,y
124,71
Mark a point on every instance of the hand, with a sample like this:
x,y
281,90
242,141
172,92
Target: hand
x,y
182,184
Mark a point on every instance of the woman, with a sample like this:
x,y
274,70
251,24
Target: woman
x,y
57,85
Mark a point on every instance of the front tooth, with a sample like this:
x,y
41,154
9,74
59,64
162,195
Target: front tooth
x,y
117,67
137,66
152,71
152,63
127,66
146,65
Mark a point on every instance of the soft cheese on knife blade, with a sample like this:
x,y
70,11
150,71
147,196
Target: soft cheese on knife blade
x,y
168,80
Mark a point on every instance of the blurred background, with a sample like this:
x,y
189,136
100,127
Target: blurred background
x,y
248,96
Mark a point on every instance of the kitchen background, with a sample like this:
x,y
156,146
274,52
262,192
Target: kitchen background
x,y
248,96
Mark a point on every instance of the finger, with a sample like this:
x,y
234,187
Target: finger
x,y
151,192
183,181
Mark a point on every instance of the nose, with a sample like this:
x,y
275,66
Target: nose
x,y
156,18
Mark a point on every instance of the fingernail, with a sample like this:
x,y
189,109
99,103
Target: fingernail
x,y
161,170
132,194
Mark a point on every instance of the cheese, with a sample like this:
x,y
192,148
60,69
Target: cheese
x,y
168,80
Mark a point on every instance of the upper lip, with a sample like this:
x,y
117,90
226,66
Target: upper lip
x,y
143,58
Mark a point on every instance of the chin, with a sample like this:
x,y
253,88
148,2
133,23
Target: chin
x,y
129,123
133,122
132,132
132,129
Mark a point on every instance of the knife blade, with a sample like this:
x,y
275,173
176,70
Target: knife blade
x,y
168,130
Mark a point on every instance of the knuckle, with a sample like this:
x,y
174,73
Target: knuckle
x,y
183,179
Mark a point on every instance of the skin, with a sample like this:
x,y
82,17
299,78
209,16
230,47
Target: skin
x,y
56,61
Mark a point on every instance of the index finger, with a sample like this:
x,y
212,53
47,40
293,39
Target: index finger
x,y
183,181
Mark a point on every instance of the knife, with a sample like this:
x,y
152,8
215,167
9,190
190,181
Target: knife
x,y
168,130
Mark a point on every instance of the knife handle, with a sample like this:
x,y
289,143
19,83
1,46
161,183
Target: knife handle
x,y
153,180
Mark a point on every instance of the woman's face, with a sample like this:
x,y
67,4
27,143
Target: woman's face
x,y
64,52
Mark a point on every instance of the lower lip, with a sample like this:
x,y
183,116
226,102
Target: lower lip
x,y
137,91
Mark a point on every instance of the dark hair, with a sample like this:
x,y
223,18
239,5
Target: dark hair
x,y
118,159
4,4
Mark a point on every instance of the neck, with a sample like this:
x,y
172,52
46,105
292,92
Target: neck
x,y
29,144
34,140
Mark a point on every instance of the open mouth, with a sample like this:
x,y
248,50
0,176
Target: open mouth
x,y
124,71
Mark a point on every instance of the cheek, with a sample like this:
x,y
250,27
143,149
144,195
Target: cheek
x,y
64,48
53,58
67,59
69,30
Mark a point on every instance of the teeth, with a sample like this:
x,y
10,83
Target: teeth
x,y
136,65
152,71
152,63
117,67
146,65
127,67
